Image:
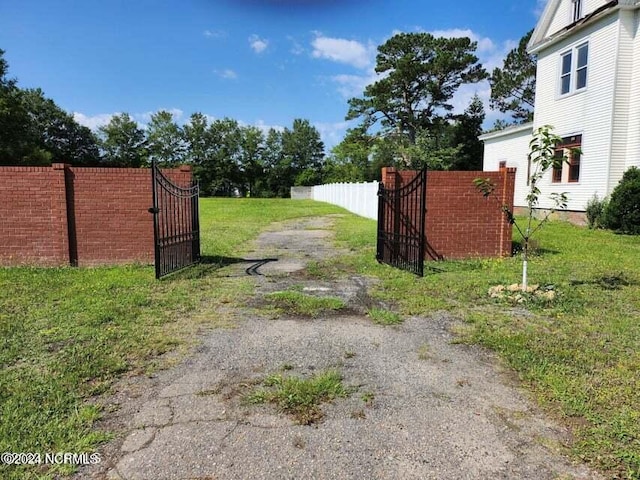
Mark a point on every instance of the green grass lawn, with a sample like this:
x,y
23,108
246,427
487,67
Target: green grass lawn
x,y
579,353
66,334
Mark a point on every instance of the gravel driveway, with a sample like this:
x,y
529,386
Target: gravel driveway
x,y
420,406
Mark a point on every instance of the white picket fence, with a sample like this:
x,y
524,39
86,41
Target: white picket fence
x,y
358,198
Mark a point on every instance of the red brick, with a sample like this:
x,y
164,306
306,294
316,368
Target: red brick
x,y
460,222
109,208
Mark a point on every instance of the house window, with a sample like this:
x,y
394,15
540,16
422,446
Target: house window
x,y
557,169
574,167
565,75
576,10
581,66
569,171
573,69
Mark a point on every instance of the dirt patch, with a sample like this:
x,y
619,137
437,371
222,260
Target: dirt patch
x,y
420,405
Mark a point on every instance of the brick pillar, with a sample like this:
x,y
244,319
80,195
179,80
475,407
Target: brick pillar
x,y
59,220
508,186
390,177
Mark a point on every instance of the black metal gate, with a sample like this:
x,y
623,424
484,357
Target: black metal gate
x,y
176,223
401,224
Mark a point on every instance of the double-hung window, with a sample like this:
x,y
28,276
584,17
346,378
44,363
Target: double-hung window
x,y
581,66
574,65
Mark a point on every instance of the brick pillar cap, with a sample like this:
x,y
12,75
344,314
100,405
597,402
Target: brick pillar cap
x,y
185,168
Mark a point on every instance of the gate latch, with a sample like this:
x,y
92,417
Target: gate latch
x,y
153,210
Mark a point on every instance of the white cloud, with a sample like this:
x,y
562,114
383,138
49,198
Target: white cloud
x,y
145,117
95,121
258,44
226,73
340,50
332,133
354,85
215,33
296,47
261,125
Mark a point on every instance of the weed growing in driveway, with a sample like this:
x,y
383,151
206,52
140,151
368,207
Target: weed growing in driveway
x,y
298,303
367,397
301,398
382,316
424,352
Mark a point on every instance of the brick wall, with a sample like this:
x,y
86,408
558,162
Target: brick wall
x,y
460,222
63,215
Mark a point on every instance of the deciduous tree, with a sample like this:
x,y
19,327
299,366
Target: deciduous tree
x,y
58,133
165,141
350,159
251,163
123,142
303,154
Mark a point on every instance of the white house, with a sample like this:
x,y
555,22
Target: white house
x,y
588,89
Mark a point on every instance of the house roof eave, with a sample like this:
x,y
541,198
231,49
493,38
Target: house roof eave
x,y
543,24
538,42
507,131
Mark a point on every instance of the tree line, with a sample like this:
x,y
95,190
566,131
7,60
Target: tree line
x,y
405,119
228,158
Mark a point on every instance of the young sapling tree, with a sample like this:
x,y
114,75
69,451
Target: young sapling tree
x,y
543,154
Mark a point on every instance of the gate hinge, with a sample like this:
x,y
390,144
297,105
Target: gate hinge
x,y
153,210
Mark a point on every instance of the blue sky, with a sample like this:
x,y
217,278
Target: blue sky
x,y
261,62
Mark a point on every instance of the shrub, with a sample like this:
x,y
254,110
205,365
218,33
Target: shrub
x,y
595,212
623,211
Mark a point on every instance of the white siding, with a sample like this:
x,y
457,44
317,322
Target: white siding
x,y
588,112
620,124
561,18
514,149
633,149
591,6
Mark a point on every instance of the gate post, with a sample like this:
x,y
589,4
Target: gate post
x,y
381,223
154,210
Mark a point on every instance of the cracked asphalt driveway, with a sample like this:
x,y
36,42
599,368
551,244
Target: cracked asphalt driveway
x,y
421,406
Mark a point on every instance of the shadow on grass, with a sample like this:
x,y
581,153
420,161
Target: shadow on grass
x,y
210,264
534,249
607,282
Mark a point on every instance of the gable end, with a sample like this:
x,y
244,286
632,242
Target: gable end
x,y
539,40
